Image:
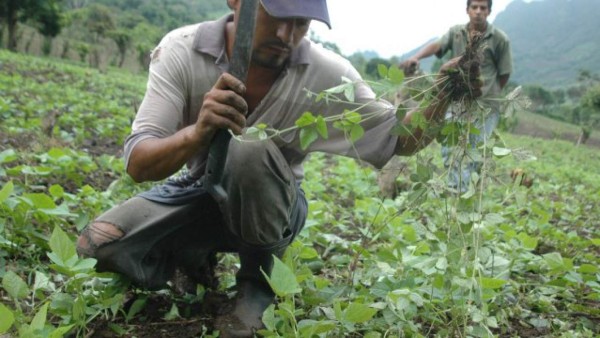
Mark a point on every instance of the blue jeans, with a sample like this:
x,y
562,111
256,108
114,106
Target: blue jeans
x,y
461,169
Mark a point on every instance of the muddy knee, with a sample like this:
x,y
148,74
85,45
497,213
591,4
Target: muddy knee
x,y
96,235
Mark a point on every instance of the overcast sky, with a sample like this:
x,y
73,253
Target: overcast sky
x,y
392,27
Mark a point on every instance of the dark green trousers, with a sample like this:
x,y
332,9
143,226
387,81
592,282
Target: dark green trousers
x,y
178,224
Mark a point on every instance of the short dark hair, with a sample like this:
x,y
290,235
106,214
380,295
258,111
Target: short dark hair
x,y
488,1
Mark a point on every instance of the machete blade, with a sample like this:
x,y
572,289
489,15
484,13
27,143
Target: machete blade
x,y
238,67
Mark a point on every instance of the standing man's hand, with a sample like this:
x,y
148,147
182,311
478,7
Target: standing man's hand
x,y
224,107
410,64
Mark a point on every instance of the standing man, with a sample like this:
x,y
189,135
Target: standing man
x,y
190,96
496,68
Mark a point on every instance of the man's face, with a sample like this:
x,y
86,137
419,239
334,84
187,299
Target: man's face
x,y
478,12
275,38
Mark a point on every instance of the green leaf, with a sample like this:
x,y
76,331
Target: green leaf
x,y
61,245
42,282
306,119
321,127
40,201
491,283
85,264
358,313
356,133
15,286
501,152
7,318
372,334
556,262
418,120
311,328
529,243
337,89
137,306
56,191
282,280
588,268
7,156
352,117
308,252
268,318
396,75
173,313
254,133
39,320
60,332
78,310
349,93
382,70
307,137
7,189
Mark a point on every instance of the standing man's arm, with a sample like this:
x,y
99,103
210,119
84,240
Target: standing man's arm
x,y
505,63
434,113
427,51
503,80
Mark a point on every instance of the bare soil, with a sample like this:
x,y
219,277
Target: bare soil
x,y
196,318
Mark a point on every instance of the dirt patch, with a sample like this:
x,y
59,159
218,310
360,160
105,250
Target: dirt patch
x,y
30,142
195,318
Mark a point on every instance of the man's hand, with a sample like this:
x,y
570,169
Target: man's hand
x,y
224,107
411,64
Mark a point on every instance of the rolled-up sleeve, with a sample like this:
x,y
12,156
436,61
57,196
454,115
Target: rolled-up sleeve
x,y
161,112
504,53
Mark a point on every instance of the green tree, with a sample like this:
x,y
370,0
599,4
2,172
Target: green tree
x,y
540,97
146,37
371,69
359,61
123,40
98,21
44,15
589,113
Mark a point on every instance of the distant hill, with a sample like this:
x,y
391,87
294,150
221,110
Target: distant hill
x,y
552,39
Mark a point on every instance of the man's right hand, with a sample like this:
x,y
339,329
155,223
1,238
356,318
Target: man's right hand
x,y
410,64
224,107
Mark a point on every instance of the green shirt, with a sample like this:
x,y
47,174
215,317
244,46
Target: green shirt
x,y
497,58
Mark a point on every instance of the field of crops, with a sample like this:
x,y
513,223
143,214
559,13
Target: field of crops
x,y
505,260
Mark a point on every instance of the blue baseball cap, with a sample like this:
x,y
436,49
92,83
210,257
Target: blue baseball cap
x,y
309,9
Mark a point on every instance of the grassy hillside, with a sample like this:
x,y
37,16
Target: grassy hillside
x,y
552,40
506,261
540,126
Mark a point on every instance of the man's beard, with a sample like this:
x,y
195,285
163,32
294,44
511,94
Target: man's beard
x,y
268,60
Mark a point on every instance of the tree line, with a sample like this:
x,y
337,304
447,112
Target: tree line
x,y
577,104
87,27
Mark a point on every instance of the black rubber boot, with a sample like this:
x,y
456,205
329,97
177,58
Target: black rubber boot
x,y
253,296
